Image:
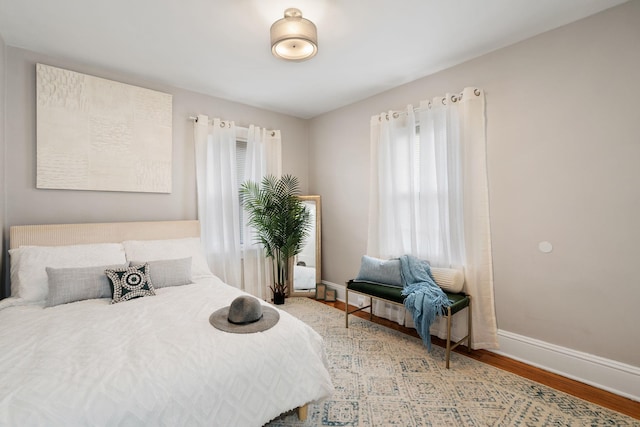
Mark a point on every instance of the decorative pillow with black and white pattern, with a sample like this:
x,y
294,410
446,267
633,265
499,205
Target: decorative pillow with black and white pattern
x,y
130,282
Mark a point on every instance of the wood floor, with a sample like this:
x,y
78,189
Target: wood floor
x,y
558,382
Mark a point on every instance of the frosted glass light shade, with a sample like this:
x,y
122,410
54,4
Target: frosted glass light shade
x,y
293,37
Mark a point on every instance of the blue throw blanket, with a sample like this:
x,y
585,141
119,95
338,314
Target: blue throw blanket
x,y
424,298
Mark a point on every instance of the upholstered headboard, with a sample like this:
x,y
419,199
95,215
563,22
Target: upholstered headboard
x,y
108,232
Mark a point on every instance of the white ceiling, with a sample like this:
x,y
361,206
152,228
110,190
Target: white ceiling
x,y
221,47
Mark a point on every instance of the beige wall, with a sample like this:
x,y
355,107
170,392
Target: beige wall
x,y
28,205
563,140
563,129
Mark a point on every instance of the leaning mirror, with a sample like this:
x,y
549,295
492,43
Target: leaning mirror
x,y
306,269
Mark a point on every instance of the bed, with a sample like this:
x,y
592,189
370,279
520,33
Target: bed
x,y
153,360
304,278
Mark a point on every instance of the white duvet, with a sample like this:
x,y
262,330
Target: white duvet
x,y
153,361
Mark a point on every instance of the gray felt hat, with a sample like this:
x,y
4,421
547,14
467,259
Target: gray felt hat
x,y
245,315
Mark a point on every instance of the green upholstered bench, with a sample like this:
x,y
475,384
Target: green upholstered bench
x,y
392,294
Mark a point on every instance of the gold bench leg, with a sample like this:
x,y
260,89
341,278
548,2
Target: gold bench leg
x,y
448,350
469,327
467,338
346,308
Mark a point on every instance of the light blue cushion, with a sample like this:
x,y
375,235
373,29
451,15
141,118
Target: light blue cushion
x,y
380,270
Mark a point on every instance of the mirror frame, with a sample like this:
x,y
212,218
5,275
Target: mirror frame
x,y
318,225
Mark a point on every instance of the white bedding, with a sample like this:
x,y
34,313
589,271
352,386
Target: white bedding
x,y
304,277
153,361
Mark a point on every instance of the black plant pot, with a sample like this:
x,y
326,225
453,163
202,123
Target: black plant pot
x,y
278,299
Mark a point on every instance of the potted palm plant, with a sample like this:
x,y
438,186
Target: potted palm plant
x,y
281,223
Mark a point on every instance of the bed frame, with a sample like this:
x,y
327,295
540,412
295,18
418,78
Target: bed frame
x,y
108,232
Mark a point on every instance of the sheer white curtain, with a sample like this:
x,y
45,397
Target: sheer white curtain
x,y
218,209
238,263
446,220
392,205
263,158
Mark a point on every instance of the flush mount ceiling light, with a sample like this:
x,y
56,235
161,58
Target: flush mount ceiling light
x,y
293,37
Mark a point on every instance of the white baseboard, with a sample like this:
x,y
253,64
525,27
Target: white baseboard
x,y
616,377
606,374
340,290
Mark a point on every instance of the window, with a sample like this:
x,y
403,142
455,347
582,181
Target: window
x,y
241,160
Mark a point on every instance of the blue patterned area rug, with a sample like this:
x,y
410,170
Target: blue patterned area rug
x,y
383,377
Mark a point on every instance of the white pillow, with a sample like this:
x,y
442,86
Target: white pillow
x,y
14,258
29,264
158,250
449,279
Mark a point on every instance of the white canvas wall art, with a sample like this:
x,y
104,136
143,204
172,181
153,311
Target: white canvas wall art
x,y
97,134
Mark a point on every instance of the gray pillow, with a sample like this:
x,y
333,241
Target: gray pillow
x,y
380,271
168,272
77,284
